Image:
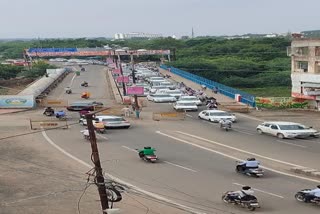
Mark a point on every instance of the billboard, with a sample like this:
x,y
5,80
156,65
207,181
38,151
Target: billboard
x,y
124,79
16,101
136,90
116,71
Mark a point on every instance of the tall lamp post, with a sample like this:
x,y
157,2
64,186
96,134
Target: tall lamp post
x,y
134,79
123,84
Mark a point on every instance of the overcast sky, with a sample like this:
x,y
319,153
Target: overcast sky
x,y
95,18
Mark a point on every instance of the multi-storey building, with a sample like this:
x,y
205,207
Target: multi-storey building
x,y
305,69
137,35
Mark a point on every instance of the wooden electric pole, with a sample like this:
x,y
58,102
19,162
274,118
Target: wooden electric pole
x,y
121,71
97,165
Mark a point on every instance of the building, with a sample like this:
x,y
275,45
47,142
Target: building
x,y
137,35
305,69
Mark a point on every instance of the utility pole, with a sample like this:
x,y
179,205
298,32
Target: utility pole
x,y
123,84
97,165
134,80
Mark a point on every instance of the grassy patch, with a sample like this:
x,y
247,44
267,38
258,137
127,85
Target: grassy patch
x,y
281,91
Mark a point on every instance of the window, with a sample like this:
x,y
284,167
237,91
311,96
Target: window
x,y
274,127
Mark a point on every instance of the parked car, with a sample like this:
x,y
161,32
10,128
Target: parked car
x,y
109,121
216,115
191,99
161,98
83,105
282,130
185,106
175,93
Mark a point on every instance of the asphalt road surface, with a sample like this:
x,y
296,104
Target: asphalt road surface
x,y
197,159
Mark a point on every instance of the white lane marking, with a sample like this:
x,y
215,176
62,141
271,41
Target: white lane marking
x,y
240,150
247,133
177,165
259,190
102,136
183,207
234,158
130,149
71,82
188,115
183,167
249,117
291,144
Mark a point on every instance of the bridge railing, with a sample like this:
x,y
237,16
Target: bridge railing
x,y
223,89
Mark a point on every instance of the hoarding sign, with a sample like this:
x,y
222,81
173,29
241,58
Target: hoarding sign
x,y
16,101
116,71
136,90
124,79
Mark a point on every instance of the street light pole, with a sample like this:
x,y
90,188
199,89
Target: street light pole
x,y
134,80
123,84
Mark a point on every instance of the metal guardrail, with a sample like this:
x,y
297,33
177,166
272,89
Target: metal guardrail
x,y
223,89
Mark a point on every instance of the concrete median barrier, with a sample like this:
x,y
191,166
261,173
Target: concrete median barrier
x,y
157,116
234,107
114,87
306,171
53,103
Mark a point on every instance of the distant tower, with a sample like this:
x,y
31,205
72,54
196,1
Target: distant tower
x,y
192,33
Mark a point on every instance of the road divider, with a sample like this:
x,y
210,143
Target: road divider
x,y
48,124
157,116
53,102
114,87
306,171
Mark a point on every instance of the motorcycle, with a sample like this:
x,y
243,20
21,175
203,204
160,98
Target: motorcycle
x,y
48,113
68,91
148,158
226,127
253,172
300,196
100,130
251,203
84,96
84,84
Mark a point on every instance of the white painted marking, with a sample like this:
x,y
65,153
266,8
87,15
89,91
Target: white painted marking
x,y
247,133
130,149
259,190
100,135
188,115
291,144
249,117
234,158
71,82
183,167
183,207
240,150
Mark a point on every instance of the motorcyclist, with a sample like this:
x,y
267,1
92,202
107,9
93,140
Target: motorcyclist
x,y
60,114
85,94
49,110
147,151
98,125
245,194
250,163
84,83
68,90
311,194
225,123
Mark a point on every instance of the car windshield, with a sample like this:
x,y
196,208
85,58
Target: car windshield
x,y
186,104
291,127
113,119
189,98
220,114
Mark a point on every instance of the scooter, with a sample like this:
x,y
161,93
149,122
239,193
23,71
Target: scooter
x,y
253,172
68,91
48,113
100,130
226,127
85,96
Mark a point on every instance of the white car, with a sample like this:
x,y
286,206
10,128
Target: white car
x,y
109,121
287,130
191,99
185,106
175,93
217,115
161,98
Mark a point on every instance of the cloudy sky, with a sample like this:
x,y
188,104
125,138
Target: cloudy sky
x,y
94,18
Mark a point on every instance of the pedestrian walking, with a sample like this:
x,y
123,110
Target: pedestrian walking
x,y
126,111
138,111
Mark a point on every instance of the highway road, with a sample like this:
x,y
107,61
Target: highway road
x,y
197,159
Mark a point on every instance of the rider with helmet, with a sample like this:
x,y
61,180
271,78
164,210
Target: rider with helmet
x,y
251,163
315,193
225,123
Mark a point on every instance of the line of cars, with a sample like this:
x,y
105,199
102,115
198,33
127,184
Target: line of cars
x,y
109,121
